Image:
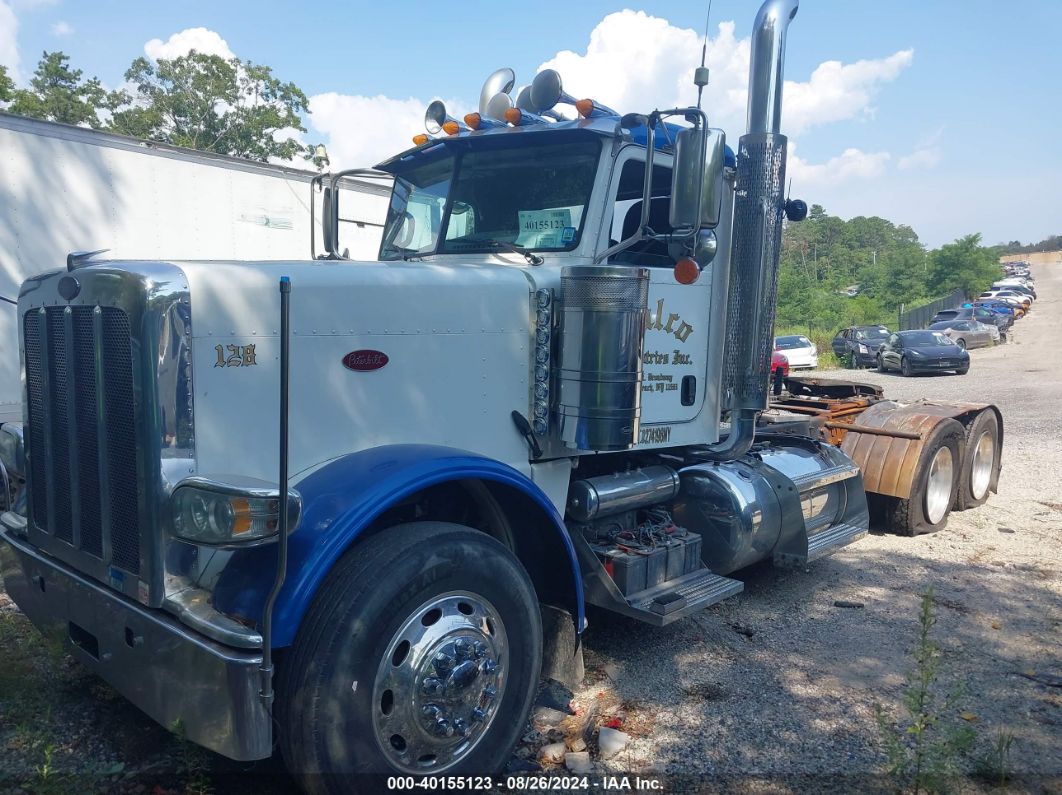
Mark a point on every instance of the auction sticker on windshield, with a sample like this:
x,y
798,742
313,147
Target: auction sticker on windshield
x,y
544,228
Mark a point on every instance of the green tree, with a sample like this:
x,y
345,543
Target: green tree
x,y
58,93
965,265
7,88
230,107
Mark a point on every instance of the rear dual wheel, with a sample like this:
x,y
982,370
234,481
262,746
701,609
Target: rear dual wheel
x,y
935,484
981,461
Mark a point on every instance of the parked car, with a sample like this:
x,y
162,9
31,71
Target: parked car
x,y
1009,296
978,313
913,352
968,333
779,364
996,307
779,371
798,349
861,342
1016,287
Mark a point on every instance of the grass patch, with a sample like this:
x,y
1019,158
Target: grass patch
x,y
926,745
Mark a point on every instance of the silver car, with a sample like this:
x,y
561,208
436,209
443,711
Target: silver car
x,y
968,333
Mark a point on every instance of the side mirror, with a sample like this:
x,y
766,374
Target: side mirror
x,y
696,180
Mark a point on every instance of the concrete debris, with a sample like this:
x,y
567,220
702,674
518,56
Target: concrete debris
x,y
552,753
578,762
611,741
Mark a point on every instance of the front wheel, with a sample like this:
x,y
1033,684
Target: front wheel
x,y
420,655
905,367
961,343
881,364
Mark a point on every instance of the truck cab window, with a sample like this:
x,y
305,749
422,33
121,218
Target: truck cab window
x,y
627,210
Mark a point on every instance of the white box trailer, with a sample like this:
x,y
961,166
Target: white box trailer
x,y
66,188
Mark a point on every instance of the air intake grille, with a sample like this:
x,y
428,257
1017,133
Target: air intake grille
x,y
79,379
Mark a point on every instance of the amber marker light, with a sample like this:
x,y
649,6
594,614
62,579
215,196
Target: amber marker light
x,y
420,139
241,516
585,107
473,120
451,127
513,116
687,271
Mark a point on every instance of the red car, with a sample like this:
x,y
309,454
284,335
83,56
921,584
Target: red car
x,y
779,371
779,362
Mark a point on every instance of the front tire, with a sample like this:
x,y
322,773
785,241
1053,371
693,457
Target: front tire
x,y
935,482
981,461
420,655
881,364
905,368
961,343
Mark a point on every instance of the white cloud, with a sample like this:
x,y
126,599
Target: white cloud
x,y
202,40
361,131
852,164
9,42
839,91
62,28
635,61
926,154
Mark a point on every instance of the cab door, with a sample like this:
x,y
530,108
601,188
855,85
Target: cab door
x,y
675,356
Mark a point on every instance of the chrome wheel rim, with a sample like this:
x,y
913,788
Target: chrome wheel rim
x,y
938,486
984,455
439,684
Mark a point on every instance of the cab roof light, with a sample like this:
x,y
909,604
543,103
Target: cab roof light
x,y
589,108
522,118
451,127
477,121
422,138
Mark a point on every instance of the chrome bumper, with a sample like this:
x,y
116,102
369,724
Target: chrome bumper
x,y
173,674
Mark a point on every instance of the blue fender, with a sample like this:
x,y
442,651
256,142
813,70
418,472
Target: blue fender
x,y
340,500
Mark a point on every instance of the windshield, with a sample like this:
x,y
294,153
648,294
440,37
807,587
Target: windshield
x,y
788,343
918,339
872,334
488,199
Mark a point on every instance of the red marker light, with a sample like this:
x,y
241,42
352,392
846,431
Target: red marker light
x,y
687,271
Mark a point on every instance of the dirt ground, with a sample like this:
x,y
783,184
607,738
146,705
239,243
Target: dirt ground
x,y
775,690
779,687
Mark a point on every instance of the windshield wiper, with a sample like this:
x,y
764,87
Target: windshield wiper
x,y
533,259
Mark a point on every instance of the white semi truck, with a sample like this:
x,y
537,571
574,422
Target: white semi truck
x,y
64,188
374,479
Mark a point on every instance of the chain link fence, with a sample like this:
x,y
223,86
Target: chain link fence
x,y
920,316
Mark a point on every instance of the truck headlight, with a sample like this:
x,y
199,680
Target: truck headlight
x,y
863,348
206,511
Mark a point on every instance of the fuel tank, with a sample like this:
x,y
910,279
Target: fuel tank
x,y
789,499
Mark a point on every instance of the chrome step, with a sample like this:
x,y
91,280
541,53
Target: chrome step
x,y
824,477
829,540
683,595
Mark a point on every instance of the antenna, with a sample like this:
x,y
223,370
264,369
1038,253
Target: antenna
x,y
700,75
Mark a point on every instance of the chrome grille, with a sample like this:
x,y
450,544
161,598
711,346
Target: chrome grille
x,y
79,382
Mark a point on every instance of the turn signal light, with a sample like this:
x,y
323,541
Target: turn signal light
x,y
451,127
687,271
585,107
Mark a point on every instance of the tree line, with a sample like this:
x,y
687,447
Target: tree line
x,y
221,105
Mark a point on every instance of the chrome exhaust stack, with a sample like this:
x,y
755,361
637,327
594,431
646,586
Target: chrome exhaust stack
x,y
757,235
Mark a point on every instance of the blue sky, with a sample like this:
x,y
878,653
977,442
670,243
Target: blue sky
x,y
940,114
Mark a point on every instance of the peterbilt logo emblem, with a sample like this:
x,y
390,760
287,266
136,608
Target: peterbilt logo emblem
x,y
363,361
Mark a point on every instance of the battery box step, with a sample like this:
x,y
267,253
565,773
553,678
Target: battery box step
x,y
677,598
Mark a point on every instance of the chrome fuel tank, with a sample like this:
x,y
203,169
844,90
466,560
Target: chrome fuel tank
x,y
784,501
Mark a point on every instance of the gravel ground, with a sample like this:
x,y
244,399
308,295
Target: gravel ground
x,y
775,690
